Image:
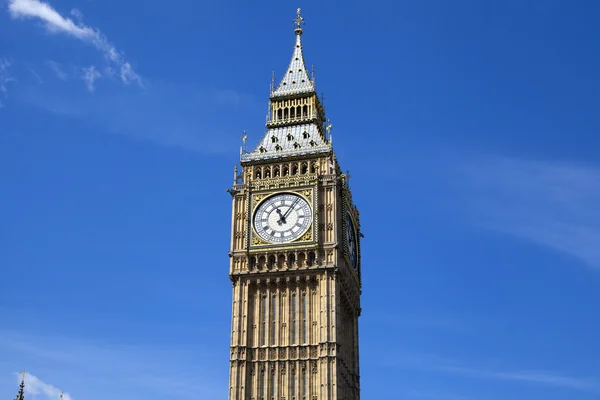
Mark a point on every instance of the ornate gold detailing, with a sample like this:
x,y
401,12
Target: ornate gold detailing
x,y
258,198
308,194
257,241
307,236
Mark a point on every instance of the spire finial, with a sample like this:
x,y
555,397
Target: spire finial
x,y
299,21
21,394
272,81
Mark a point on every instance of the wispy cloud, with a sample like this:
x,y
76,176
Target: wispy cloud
x,y
179,116
37,76
431,395
550,203
95,370
34,386
5,78
90,75
57,23
57,69
545,378
426,321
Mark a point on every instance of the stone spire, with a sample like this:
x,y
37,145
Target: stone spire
x,y
295,80
21,394
296,118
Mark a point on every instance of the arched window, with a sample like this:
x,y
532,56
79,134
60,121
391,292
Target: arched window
x,y
304,168
291,259
279,114
305,111
311,259
258,174
313,168
293,112
267,172
286,170
294,169
276,171
286,113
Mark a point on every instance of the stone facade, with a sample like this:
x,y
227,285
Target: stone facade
x,y
296,301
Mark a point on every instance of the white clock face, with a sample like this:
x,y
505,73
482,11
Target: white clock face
x,y
351,241
282,218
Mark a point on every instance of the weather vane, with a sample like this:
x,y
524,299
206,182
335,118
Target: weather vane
x,y
244,139
299,21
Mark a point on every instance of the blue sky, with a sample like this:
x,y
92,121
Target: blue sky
x,y
470,129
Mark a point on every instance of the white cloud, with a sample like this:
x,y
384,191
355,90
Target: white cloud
x,y
553,204
57,69
34,386
56,23
90,75
5,78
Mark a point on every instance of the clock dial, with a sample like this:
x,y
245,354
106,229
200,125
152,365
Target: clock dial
x,y
282,218
351,241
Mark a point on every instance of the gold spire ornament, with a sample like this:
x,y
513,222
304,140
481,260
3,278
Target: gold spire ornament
x,y
299,21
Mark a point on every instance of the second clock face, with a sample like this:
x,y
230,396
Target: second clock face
x,y
282,218
351,241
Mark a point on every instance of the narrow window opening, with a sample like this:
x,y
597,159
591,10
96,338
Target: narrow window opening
x,y
294,318
303,384
264,320
304,169
267,173
274,321
273,394
304,317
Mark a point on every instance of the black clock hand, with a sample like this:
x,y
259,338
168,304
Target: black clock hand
x,y
291,207
281,217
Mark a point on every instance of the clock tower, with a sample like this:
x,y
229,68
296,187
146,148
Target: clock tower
x,y
295,255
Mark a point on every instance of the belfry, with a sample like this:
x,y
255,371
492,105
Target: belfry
x,y
295,261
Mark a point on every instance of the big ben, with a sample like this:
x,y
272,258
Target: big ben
x,y
295,262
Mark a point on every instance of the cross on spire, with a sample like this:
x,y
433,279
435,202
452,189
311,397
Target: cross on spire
x,y
299,21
